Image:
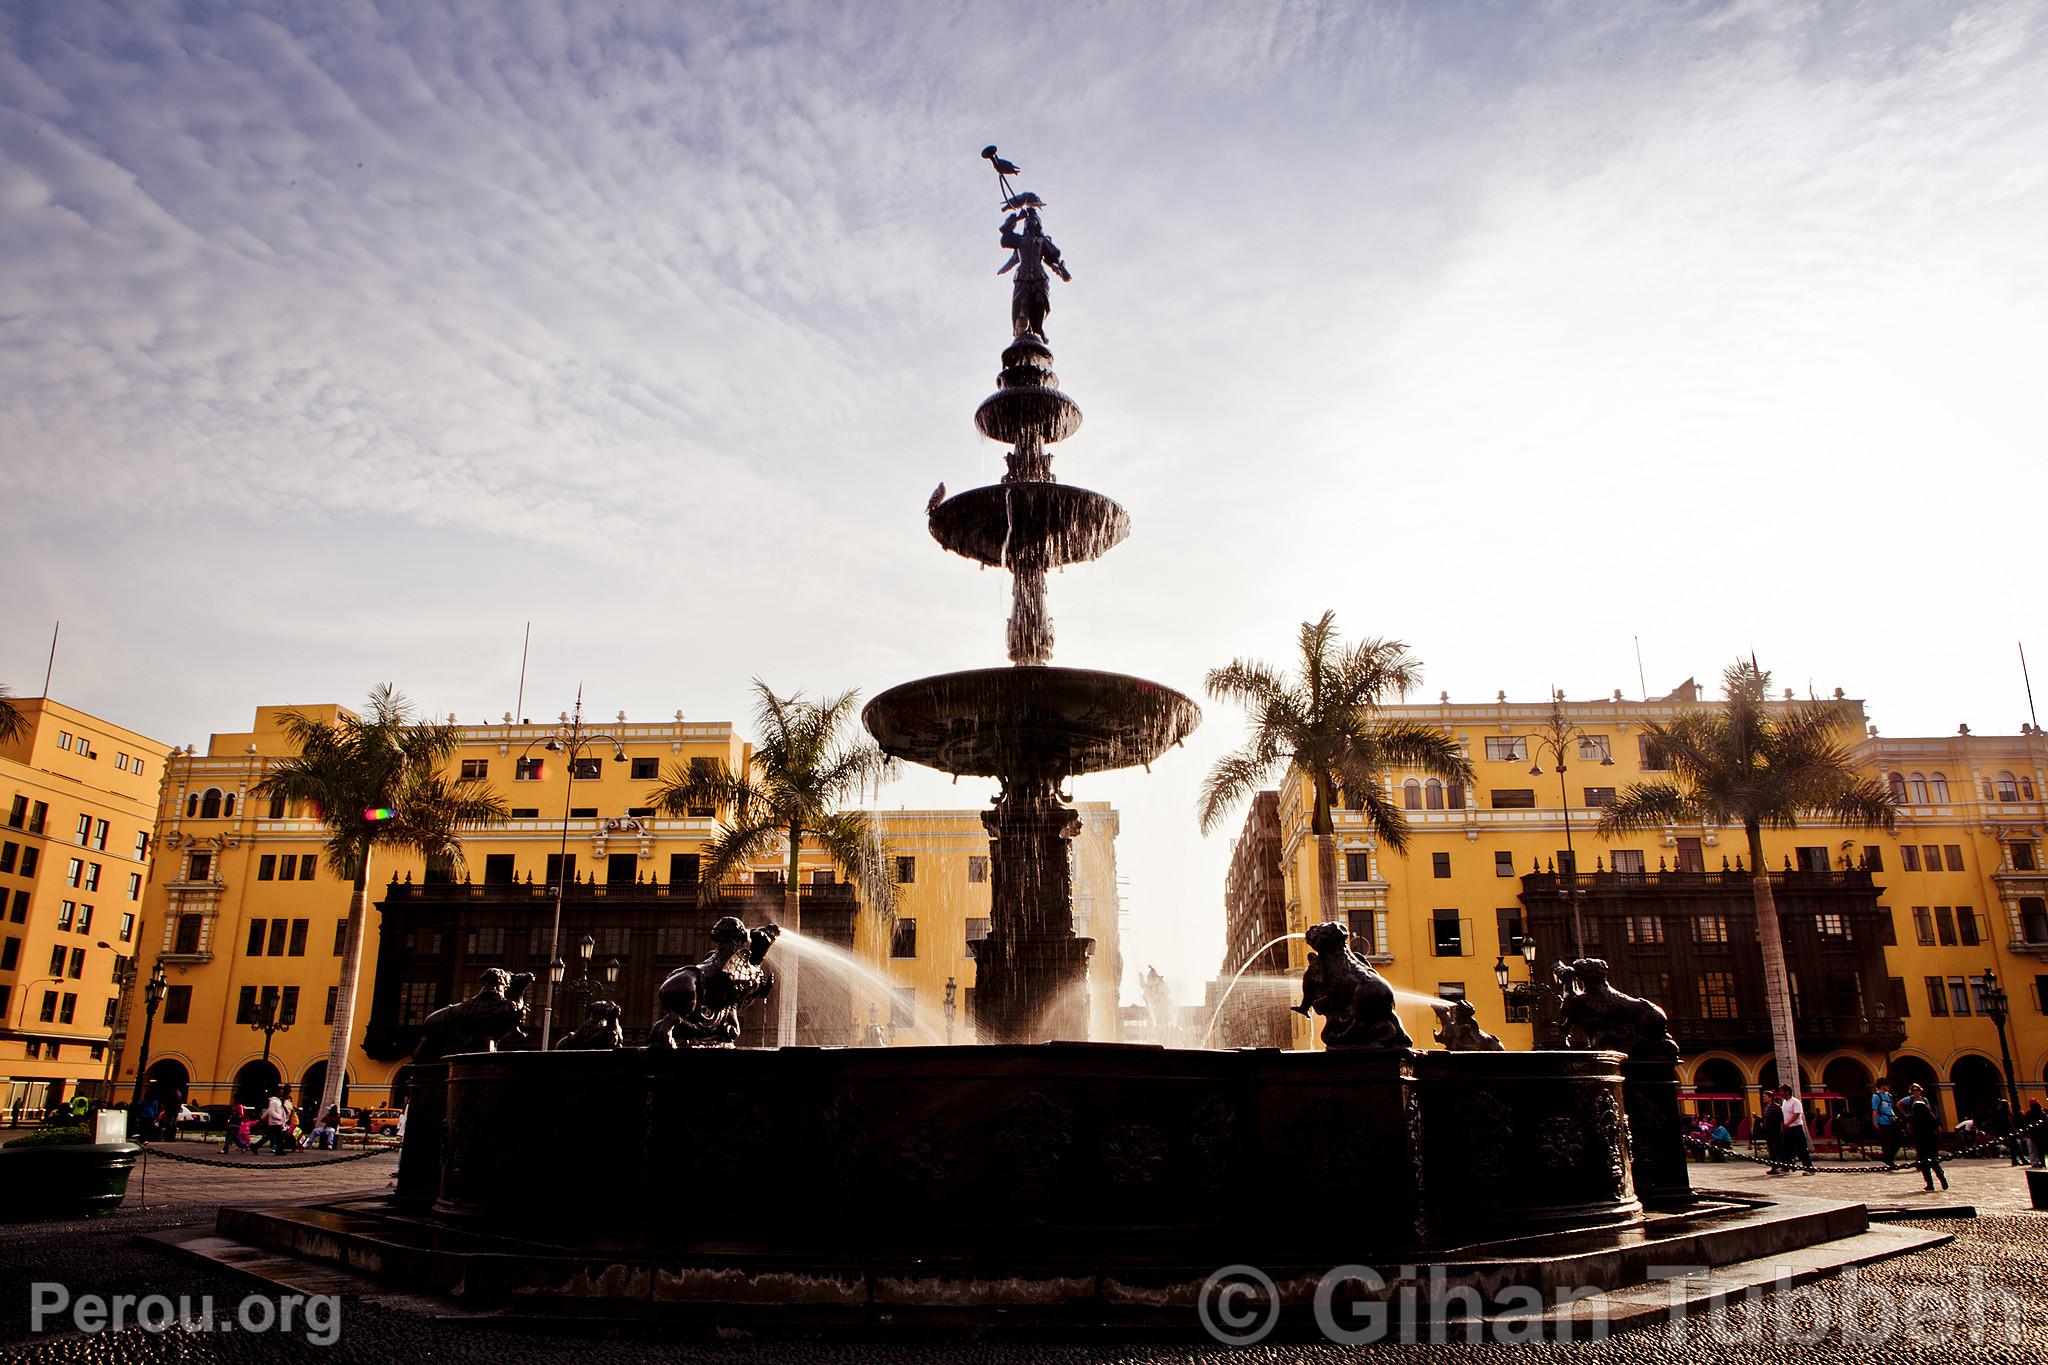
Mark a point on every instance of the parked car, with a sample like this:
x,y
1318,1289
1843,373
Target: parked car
x,y
383,1122
188,1117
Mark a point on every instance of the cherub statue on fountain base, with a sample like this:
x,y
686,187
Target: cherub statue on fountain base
x,y
703,1000
1355,1001
1457,1028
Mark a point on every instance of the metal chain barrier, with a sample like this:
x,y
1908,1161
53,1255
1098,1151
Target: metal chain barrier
x,y
1996,1144
154,1149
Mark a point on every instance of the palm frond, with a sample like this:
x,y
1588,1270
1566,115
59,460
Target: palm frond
x,y
854,843
1233,778
731,847
1644,805
11,721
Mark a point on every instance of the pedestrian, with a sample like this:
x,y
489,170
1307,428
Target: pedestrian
x,y
1772,1126
237,1129
2000,1126
327,1130
1793,1137
1923,1125
2031,1132
1884,1117
275,1119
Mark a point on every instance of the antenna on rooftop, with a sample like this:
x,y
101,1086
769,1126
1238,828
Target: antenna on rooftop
x,y
1641,681
520,709
2032,715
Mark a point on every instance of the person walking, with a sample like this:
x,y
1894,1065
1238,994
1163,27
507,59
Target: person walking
x,y
1793,1136
1772,1126
275,1122
1884,1118
237,1129
2032,1132
1923,1125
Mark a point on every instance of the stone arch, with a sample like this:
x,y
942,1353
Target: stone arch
x,y
168,1080
1909,1069
1849,1076
1976,1084
255,1082
209,804
315,1081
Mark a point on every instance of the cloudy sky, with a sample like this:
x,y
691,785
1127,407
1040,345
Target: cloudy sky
x,y
338,341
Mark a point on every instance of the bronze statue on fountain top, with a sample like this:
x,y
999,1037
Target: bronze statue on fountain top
x,y
1597,1016
703,1000
1355,1001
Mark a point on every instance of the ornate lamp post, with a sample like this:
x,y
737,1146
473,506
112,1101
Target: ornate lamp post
x,y
1995,1007
571,739
1558,733
951,987
585,987
267,1022
1519,992
152,997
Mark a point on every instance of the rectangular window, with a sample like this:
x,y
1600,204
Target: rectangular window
x,y
475,769
1644,929
99,835
587,769
7,855
1628,862
1514,798
1959,996
20,910
524,812
558,869
37,814
1594,749
1599,796
2022,855
134,886
1966,925
524,770
487,942
682,869
977,929
333,995
64,740
266,867
1923,926
278,929
92,876
177,1004
1357,867
1650,754
1450,990
1829,924
1440,864
1710,929
1937,997
701,768
977,869
29,858
68,1010
1909,857
906,870
257,929
1509,922
127,925
498,869
17,813
1955,857
187,938
903,938
1506,749
85,919
65,910
1449,933
120,761
307,864
48,1010
199,867
1932,854
288,867
57,960
417,1000
1811,859
74,871
1945,926
142,846
1873,858
297,947
583,812
340,936
10,953
1717,995
645,769
245,1006
1503,863
84,830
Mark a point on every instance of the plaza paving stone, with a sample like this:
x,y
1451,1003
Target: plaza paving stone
x,y
2007,1243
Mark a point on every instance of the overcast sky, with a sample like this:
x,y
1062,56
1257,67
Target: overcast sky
x,y
338,342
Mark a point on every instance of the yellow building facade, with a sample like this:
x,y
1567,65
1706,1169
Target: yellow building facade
x,y
79,796
243,911
1899,927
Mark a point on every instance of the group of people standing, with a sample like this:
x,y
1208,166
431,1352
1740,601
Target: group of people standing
x,y
275,1126
1913,1117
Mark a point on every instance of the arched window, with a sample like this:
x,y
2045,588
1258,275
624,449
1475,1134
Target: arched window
x,y
1937,786
1433,794
1917,783
1411,795
1898,784
2008,787
2026,786
209,804
192,806
277,806
227,804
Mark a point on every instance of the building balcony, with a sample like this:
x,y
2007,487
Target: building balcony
x,y
732,898
1752,1034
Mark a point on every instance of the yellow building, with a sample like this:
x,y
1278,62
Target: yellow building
x,y
1887,933
246,912
80,797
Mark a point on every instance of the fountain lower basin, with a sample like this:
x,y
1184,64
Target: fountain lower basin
x,y
1037,722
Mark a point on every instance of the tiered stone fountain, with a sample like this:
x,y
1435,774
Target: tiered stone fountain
x,y
1032,726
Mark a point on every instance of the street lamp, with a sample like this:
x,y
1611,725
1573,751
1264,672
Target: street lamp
x,y
1519,992
572,739
584,985
1994,1006
268,1022
1561,732
951,987
152,997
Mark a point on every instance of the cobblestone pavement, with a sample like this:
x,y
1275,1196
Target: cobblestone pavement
x,y
1926,1299
1992,1185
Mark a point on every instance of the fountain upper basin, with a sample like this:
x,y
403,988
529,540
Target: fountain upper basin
x,y
1044,722
1042,525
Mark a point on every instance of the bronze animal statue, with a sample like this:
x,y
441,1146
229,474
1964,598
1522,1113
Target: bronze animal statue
x,y
1457,1028
493,1015
1597,1016
599,1030
702,1001
1355,1001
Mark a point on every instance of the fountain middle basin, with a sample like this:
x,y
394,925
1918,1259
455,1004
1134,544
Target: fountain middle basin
x,y
1045,721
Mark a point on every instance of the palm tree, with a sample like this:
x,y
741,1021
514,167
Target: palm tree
x,y
11,723
378,782
790,788
1760,766
1330,729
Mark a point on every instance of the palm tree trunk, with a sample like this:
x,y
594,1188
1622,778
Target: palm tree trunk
x,y
792,922
1777,980
1326,852
345,989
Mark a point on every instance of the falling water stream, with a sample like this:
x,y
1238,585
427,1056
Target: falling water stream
x,y
1210,1031
849,968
